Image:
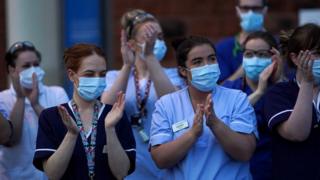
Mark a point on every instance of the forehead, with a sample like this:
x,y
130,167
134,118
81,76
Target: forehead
x,y
257,44
93,63
27,57
200,51
251,2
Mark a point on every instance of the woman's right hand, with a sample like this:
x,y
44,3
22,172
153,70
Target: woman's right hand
x,y
305,65
264,77
68,121
127,53
16,84
197,126
150,33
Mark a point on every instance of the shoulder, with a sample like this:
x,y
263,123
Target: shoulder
x,y
173,96
228,91
235,84
112,73
6,96
228,41
56,89
285,88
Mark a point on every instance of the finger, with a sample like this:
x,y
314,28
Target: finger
x,y
275,51
268,71
304,58
123,38
310,65
34,81
201,112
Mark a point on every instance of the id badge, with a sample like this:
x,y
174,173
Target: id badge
x,y
136,120
179,126
143,135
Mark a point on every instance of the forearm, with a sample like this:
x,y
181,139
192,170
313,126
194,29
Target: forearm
x,y
254,97
239,146
236,75
16,117
118,160
297,127
161,82
4,130
58,162
110,96
171,153
38,109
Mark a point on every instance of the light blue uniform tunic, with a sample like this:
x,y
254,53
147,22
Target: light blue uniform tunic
x,y
206,159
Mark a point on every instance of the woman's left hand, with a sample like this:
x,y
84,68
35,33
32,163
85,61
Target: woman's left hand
x,y
211,117
278,69
116,112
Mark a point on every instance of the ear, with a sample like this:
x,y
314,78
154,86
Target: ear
x,y
183,72
294,58
238,11
11,69
265,10
71,75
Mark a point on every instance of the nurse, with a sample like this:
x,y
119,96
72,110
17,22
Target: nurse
x,y
143,80
292,108
263,67
203,131
85,139
21,105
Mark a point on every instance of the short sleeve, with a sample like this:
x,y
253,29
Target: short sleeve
x,y
61,96
161,131
111,77
126,138
4,109
278,106
45,145
243,116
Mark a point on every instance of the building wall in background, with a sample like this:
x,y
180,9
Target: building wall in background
x,y
39,22
3,71
212,18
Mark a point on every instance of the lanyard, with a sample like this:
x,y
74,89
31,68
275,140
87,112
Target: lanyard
x,y
141,103
89,147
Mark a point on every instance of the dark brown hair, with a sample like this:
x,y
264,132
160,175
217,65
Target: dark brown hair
x,y
265,36
306,37
183,46
74,55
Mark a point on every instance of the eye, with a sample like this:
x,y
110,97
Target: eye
x,y
102,74
248,54
212,58
26,66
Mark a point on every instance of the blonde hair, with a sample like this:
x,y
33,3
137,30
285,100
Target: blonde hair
x,y
131,19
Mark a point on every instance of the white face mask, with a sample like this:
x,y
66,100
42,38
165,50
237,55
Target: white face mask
x,y
26,76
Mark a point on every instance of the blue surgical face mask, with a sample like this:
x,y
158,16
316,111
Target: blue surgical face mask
x,y
205,78
254,66
159,49
316,71
91,88
251,21
26,76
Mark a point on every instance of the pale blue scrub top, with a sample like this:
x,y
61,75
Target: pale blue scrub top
x,y
145,167
206,159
